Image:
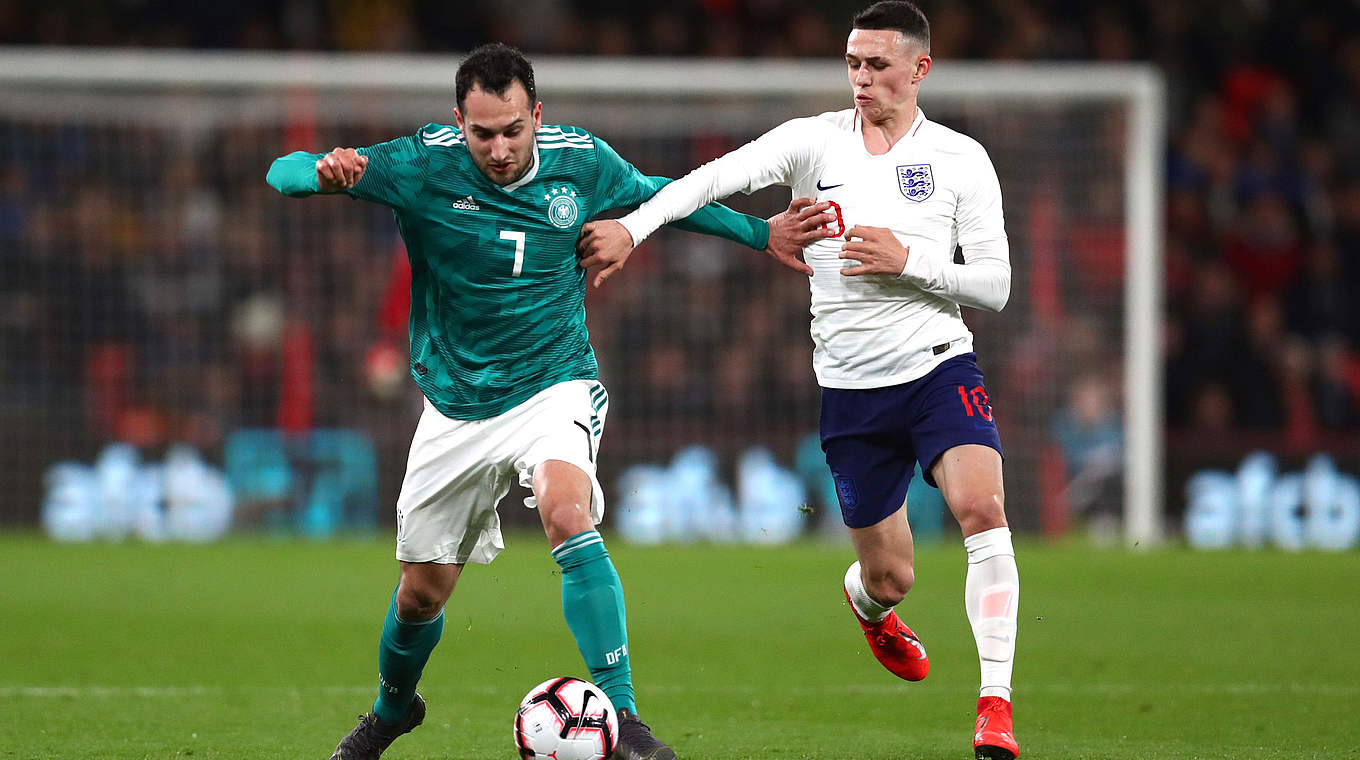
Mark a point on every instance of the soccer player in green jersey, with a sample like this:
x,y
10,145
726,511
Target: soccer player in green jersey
x,y
490,212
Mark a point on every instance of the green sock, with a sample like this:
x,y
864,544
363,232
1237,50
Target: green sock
x,y
402,654
592,601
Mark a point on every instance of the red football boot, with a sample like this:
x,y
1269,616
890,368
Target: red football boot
x,y
894,644
992,735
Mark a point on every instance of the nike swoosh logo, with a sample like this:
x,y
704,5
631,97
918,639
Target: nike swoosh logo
x,y
569,725
828,187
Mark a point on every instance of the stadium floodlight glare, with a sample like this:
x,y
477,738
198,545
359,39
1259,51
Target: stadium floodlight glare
x,y
1076,132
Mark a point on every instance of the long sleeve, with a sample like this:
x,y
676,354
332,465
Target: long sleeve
x,y
624,186
294,175
393,176
720,221
774,158
983,281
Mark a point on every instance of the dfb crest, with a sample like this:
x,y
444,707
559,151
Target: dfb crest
x,y
916,181
562,208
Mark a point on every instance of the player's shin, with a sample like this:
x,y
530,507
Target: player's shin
x,y
402,653
992,598
592,601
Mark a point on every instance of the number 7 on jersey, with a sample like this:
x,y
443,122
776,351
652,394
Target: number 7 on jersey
x,y
518,237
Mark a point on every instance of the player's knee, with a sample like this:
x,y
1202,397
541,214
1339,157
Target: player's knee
x,y
417,601
890,585
564,518
979,511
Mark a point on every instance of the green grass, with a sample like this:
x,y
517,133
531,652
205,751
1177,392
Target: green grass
x,y
259,649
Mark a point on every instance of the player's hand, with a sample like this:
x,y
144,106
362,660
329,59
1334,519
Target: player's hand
x,y
877,250
802,224
604,247
339,170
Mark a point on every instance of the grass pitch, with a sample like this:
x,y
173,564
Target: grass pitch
x,y
260,649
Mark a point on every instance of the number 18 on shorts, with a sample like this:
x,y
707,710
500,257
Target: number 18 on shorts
x,y
874,437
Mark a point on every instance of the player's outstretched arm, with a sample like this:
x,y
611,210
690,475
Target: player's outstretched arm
x,y
300,173
605,246
782,236
688,203
621,185
628,188
774,158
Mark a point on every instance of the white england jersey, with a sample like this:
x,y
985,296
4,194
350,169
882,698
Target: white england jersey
x,y
935,189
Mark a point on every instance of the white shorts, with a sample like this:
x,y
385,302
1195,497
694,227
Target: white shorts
x,y
459,470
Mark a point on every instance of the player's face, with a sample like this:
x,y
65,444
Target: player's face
x,y
885,73
500,131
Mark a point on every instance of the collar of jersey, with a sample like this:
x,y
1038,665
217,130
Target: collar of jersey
x,y
915,127
528,176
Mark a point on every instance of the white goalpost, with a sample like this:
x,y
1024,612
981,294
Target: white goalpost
x,y
700,353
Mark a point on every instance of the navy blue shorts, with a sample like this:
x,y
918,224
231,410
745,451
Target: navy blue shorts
x,y
874,437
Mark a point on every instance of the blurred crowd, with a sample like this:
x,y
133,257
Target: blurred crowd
x,y
176,322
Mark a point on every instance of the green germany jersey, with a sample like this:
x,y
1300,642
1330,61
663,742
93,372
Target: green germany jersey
x,y
497,297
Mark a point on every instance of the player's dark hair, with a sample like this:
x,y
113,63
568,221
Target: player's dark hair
x,y
494,68
897,15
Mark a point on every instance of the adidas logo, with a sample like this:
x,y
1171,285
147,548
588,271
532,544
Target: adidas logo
x,y
466,204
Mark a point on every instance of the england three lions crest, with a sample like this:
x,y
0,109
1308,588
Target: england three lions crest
x,y
916,181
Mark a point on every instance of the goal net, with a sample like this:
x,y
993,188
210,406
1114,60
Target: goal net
x,y
157,291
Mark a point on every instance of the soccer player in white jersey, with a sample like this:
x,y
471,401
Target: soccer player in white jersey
x,y
900,384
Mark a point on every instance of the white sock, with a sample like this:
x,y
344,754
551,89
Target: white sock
x,y
864,604
992,598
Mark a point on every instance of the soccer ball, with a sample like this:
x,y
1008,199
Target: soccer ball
x,y
566,719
